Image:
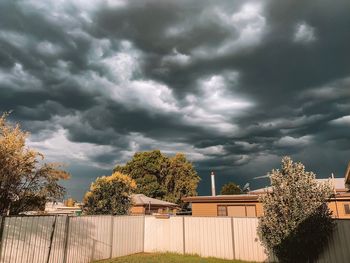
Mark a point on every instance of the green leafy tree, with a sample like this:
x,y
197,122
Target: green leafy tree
x,y
159,176
109,195
181,179
148,169
231,189
26,183
297,222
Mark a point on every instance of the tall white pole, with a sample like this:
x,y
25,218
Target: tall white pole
x,y
335,195
333,182
213,184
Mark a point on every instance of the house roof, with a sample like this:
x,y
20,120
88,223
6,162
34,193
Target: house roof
x,y
222,198
141,200
347,175
339,185
245,198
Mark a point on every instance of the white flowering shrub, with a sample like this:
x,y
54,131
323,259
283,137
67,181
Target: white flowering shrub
x,y
297,222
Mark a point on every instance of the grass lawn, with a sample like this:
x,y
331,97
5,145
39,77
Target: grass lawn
x,y
165,258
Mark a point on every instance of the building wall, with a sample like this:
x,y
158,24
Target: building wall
x,y
137,210
338,209
259,209
210,209
141,210
204,209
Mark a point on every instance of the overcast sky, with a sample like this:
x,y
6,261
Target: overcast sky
x,y
235,85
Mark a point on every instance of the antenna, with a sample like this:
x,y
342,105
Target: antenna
x,y
246,188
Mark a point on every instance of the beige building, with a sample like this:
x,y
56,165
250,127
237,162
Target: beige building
x,y
144,205
247,205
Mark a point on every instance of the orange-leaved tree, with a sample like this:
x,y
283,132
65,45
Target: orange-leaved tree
x,y
26,183
109,195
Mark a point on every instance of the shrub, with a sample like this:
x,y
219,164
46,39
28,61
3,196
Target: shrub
x,y
297,221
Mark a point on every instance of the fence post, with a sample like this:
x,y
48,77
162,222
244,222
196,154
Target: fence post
x,y
51,239
111,237
66,236
2,226
183,235
233,238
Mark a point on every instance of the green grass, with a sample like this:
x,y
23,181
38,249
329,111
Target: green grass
x,y
165,258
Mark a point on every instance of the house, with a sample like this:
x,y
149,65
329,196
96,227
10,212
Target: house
x,y
144,205
247,205
244,205
59,208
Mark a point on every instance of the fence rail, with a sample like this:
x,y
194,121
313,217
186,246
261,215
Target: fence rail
x,y
56,239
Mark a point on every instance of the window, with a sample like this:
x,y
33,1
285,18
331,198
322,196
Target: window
x,y
347,209
222,210
237,211
241,210
251,210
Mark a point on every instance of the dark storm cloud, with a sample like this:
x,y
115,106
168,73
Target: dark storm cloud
x,y
234,85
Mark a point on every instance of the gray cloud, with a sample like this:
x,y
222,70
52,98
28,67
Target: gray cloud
x,y
233,85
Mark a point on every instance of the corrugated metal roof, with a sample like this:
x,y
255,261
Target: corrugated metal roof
x,y
140,199
347,175
339,184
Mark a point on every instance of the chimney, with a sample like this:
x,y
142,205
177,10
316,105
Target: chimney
x,y
212,184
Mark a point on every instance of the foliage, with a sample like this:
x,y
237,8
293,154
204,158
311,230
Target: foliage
x,y
109,195
297,222
181,179
25,182
159,176
148,169
231,189
70,202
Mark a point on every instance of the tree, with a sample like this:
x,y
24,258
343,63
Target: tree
x,y
109,195
159,176
231,189
181,179
297,221
26,183
148,170
70,202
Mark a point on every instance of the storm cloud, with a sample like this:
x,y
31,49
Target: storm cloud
x,y
235,85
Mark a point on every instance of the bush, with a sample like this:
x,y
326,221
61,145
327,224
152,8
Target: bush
x,y
297,222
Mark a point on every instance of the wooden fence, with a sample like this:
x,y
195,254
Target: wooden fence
x,y
56,239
